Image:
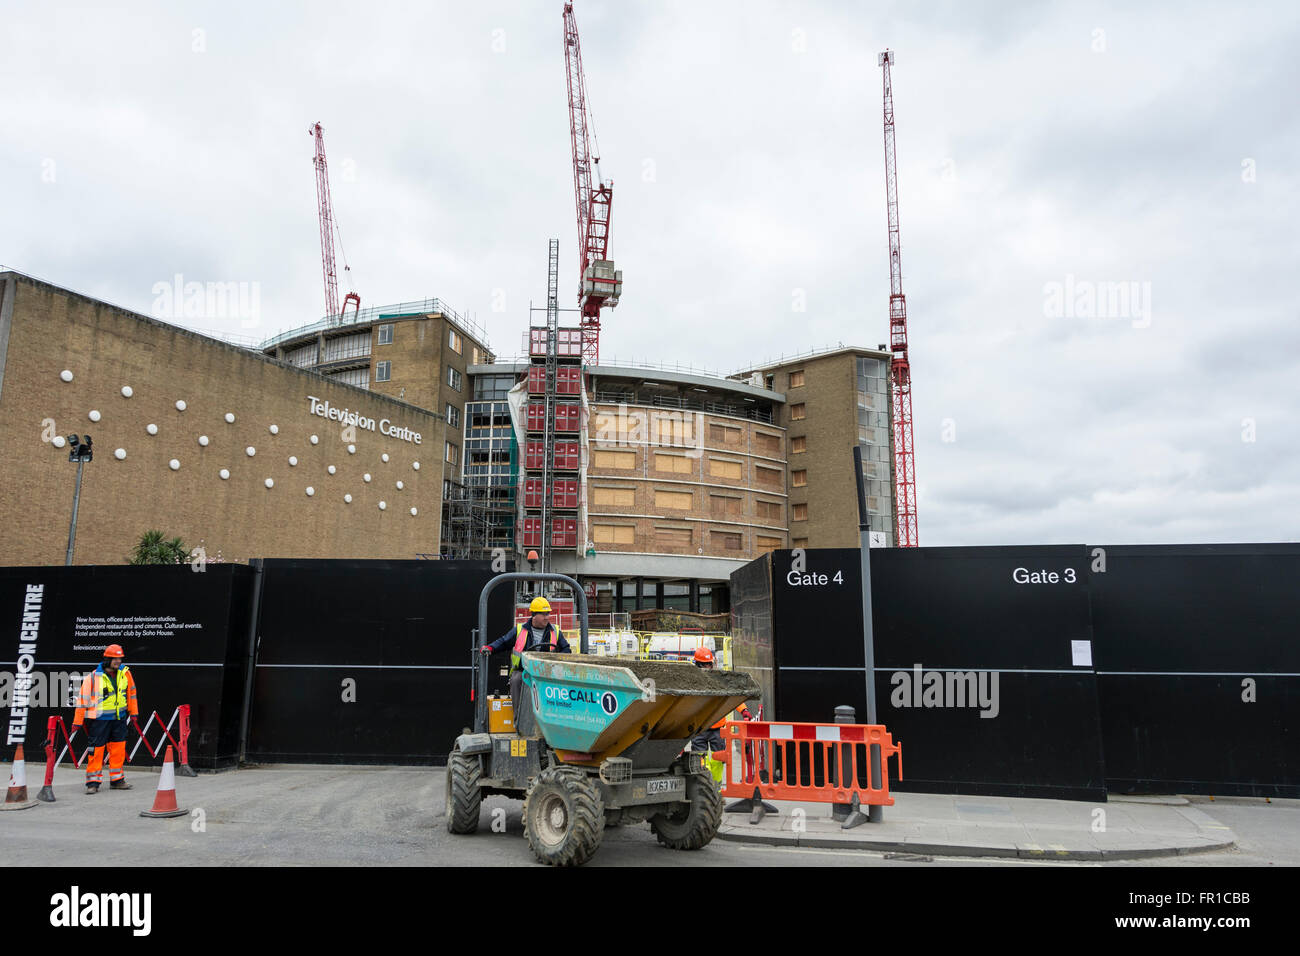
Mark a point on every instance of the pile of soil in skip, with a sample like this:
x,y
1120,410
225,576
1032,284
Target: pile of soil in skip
x,y
671,677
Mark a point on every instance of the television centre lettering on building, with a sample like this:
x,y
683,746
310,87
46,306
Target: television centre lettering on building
x,y
348,417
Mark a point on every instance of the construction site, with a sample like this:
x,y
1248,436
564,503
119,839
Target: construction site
x,y
426,599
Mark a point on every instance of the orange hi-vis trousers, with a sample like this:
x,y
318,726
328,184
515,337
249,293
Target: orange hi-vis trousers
x,y
106,732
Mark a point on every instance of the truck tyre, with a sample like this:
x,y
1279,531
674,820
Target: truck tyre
x,y
564,817
463,794
691,827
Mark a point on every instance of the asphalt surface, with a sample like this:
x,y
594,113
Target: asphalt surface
x,y
296,815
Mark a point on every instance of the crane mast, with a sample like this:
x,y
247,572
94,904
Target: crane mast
x,y
905,531
600,284
327,229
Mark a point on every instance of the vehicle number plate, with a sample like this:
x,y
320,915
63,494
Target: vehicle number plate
x,y
665,785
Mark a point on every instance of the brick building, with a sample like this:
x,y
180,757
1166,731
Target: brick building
x,y
173,416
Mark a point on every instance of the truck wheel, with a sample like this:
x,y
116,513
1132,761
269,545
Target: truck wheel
x,y
463,794
564,817
692,827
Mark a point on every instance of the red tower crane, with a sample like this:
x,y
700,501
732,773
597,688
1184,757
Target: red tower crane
x,y
327,230
904,460
600,284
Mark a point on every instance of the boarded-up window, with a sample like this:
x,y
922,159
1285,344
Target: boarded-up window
x,y
767,477
613,459
798,445
799,543
723,505
681,500
764,544
618,497
771,510
796,378
767,443
679,464
724,540
799,478
675,430
673,537
720,468
612,533
797,412
799,512
724,434
609,426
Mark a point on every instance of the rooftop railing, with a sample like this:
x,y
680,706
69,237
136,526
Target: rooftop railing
x,y
374,313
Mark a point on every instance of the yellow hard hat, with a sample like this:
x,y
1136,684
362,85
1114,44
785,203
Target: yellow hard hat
x,y
540,606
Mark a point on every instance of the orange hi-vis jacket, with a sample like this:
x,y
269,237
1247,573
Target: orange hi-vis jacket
x,y
100,698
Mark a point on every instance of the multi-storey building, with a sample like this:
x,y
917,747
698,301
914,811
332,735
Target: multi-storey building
x,y
834,399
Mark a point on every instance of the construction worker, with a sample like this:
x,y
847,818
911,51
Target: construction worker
x,y
710,741
536,632
106,703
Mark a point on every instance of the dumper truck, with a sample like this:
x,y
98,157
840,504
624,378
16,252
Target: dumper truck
x,y
598,742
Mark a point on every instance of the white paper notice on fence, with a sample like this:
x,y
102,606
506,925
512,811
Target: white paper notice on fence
x,y
1081,653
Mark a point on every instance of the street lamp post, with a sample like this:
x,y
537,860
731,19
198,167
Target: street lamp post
x,y
79,450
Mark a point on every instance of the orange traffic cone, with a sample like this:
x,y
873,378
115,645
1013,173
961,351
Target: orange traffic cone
x,y
16,797
164,802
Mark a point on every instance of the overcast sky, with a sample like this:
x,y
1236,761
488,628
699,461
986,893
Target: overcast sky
x,y
1044,149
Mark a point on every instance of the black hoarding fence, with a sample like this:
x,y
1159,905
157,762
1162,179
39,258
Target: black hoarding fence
x,y
1198,667
367,661
330,661
174,623
1058,671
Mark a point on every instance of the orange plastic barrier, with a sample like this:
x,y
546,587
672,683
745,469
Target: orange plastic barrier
x,y
821,763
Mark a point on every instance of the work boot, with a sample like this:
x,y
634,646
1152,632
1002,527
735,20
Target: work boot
x,y
92,788
119,785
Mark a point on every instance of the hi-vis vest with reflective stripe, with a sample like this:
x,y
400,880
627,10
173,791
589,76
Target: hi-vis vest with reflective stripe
x,y
100,698
521,639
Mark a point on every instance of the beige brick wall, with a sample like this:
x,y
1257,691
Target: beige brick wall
x,y
106,348
829,430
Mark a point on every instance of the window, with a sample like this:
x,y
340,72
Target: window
x,y
771,510
799,512
673,537
453,341
799,543
675,431
724,540
385,335
453,416
796,379
612,533
724,435
798,445
617,497
720,468
383,371
767,443
678,464
799,478
677,500
797,412
722,505
769,477
602,458
450,453
764,544
453,378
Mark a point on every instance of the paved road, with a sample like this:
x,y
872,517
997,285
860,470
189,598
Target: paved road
x,y
361,816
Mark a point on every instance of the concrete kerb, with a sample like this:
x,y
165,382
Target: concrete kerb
x,y
921,825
